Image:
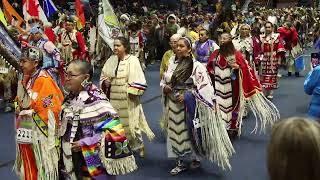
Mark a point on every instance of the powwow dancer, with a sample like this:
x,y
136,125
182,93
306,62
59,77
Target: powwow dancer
x,y
272,50
39,102
51,54
244,44
235,84
168,54
9,65
292,46
136,42
204,47
123,81
72,43
194,129
94,145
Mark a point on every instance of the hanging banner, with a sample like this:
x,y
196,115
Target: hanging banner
x,y
8,42
9,49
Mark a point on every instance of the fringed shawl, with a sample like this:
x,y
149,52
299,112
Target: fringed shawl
x,y
113,153
263,109
214,140
250,90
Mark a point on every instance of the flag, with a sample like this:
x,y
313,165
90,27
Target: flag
x,y
108,24
109,15
80,14
49,8
2,18
11,14
32,8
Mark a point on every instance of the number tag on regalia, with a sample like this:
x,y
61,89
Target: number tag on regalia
x,y
24,127
24,136
4,70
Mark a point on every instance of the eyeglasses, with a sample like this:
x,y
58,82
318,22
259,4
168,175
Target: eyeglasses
x,y
71,76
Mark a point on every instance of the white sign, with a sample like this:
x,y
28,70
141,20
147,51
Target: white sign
x,y
24,136
4,70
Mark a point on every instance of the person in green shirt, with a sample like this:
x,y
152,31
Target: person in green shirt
x,y
172,26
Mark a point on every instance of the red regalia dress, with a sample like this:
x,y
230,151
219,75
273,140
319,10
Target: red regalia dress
x,y
271,48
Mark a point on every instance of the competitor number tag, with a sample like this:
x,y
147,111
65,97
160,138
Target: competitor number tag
x,y
24,136
4,70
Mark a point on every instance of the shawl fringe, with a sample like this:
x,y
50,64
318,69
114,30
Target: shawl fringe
x,y
146,129
138,120
120,166
265,112
46,157
215,140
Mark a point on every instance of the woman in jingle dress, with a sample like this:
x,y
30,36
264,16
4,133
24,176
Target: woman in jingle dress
x,y
123,81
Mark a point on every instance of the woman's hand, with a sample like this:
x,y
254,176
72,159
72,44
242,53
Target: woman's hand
x,y
76,146
167,89
180,98
107,83
234,65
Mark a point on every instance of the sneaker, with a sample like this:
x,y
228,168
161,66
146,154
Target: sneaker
x,y
270,97
178,169
297,74
8,109
289,74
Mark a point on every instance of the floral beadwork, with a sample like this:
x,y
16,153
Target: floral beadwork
x,y
47,101
122,147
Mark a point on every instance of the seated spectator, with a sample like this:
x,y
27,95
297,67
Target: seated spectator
x,y
294,150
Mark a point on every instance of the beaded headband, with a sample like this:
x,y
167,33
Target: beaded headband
x,y
188,40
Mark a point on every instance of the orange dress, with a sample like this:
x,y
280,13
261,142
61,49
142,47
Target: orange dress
x,y
39,101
